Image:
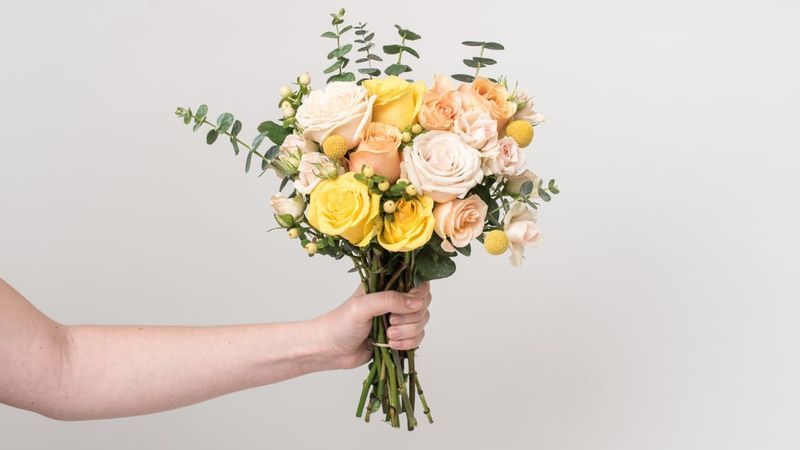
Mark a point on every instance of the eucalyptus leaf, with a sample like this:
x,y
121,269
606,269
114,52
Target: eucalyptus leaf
x,y
411,51
202,112
471,63
237,127
329,34
248,161
526,188
466,251
224,121
472,43
544,195
257,140
347,76
284,182
484,61
374,72
430,269
463,77
494,46
397,69
211,137
334,67
392,49
235,144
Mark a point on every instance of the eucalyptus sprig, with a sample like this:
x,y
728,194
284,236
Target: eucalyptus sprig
x,y
229,126
478,62
339,54
365,39
398,67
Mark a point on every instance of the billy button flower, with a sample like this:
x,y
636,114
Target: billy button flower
x,y
496,242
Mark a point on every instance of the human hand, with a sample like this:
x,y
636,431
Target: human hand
x,y
344,331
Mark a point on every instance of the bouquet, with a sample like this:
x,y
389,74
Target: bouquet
x,y
397,176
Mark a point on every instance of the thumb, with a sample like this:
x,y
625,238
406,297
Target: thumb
x,y
365,307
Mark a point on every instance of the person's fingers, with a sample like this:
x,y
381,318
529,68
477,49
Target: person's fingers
x,y
408,344
365,307
397,319
408,330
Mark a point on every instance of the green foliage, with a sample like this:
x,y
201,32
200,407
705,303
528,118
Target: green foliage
x,y
339,54
432,265
275,132
399,68
364,38
478,62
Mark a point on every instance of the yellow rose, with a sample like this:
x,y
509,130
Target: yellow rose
x,y
397,101
345,207
411,227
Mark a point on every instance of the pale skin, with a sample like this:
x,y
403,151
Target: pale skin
x,y
96,372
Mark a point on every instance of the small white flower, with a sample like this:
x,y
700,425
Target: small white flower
x,y
521,229
508,160
288,210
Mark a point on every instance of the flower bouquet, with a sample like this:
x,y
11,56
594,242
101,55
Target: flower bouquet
x,y
398,177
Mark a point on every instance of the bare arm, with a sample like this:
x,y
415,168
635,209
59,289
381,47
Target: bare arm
x,y
89,372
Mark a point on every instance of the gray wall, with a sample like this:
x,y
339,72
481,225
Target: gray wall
x,y
660,312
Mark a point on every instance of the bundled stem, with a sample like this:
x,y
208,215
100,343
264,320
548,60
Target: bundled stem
x,y
387,385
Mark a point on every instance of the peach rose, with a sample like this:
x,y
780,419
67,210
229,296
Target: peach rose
x,y
379,149
460,221
441,105
486,95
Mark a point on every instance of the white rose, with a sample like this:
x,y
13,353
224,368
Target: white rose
x,y
508,160
315,167
521,229
291,151
478,130
525,109
442,166
341,108
514,183
288,207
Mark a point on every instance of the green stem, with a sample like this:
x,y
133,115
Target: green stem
x,y
400,55
365,390
243,144
478,69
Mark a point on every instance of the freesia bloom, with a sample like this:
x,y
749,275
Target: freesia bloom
x,y
379,150
291,151
442,166
459,221
397,101
441,105
287,210
314,167
521,229
525,110
478,130
341,108
411,226
508,160
345,207
486,95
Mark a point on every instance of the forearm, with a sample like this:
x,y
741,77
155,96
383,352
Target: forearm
x,y
123,371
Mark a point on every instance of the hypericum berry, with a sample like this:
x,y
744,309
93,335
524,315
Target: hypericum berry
x,y
389,207
406,137
521,131
286,91
293,233
311,248
367,171
416,128
384,186
335,147
287,110
411,190
496,242
304,79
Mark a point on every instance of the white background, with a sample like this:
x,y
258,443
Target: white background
x,y
660,312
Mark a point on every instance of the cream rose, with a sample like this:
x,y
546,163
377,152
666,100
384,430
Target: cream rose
x,y
478,130
442,166
314,167
342,108
441,105
287,210
458,222
521,229
291,151
508,160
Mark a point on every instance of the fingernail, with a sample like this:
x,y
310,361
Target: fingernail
x,y
414,303
393,333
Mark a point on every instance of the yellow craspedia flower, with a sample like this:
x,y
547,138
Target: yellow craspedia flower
x,y
496,242
411,226
521,131
398,102
345,207
335,147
